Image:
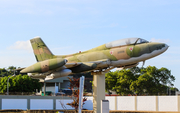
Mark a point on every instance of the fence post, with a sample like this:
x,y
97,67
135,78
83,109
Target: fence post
x,y
54,104
157,103
135,103
116,103
178,97
28,103
0,103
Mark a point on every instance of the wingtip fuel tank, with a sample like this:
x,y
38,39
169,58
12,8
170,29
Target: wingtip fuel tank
x,y
45,66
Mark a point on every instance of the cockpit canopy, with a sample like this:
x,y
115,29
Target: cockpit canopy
x,y
126,41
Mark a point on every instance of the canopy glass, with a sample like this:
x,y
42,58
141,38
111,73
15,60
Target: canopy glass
x,y
126,41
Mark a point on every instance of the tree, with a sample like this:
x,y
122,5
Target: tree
x,y
140,81
19,83
110,81
7,72
119,81
74,86
25,84
3,72
142,85
153,81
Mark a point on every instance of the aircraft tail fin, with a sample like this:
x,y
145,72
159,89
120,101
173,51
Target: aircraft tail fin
x,y
41,51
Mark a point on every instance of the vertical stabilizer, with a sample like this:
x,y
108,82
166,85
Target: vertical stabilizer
x,y
41,51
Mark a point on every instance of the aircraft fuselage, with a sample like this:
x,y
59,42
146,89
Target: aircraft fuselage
x,y
123,53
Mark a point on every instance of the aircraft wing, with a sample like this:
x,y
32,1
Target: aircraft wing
x,y
60,63
101,61
88,66
74,64
71,65
102,64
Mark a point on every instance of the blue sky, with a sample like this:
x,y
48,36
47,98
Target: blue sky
x,y
69,26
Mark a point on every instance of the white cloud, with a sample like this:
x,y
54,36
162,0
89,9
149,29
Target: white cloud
x,y
159,40
21,45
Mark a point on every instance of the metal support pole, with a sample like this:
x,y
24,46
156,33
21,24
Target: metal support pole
x,y
59,87
8,84
55,90
169,90
44,88
81,90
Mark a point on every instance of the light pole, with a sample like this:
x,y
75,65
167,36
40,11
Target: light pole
x,y
8,83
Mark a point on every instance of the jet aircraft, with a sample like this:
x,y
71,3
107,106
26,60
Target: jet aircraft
x,y
123,53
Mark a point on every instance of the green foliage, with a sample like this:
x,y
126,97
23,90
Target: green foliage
x,y
19,83
9,71
139,81
119,81
3,72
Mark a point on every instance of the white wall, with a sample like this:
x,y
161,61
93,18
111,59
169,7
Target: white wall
x,y
126,103
130,103
44,104
111,102
88,104
62,104
146,103
168,103
14,104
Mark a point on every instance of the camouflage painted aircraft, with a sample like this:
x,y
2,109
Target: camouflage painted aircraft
x,y
124,53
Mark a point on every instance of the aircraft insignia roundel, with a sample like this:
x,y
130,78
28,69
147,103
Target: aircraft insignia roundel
x,y
111,52
131,48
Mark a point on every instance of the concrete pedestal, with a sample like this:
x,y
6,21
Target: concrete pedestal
x,y
98,90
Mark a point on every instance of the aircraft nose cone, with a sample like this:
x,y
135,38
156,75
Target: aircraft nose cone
x,y
166,46
158,46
